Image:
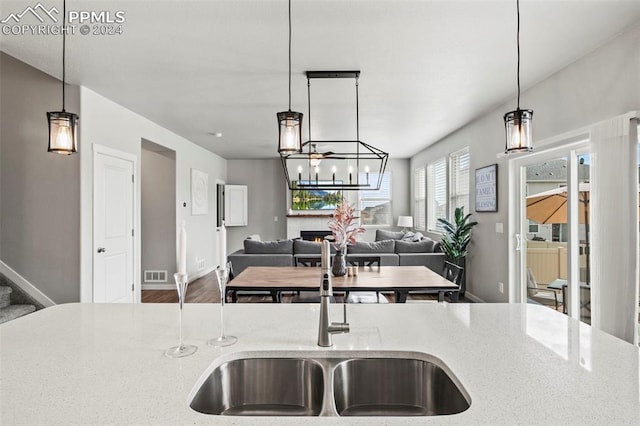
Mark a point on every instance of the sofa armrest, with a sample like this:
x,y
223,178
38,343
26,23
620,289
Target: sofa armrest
x,y
433,261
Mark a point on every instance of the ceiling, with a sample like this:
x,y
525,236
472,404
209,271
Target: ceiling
x,y
427,67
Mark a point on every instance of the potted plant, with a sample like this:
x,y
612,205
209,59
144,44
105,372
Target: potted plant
x,y
344,230
456,239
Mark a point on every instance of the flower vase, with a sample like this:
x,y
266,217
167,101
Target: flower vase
x,y
339,267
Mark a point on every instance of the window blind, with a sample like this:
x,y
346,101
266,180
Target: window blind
x,y
459,180
436,193
419,198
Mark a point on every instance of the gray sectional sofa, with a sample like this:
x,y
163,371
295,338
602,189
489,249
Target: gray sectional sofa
x,y
390,246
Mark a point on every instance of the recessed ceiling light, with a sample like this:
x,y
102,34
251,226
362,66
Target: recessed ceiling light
x,y
216,134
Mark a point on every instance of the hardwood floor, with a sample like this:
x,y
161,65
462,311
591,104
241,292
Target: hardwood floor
x,y
202,290
205,290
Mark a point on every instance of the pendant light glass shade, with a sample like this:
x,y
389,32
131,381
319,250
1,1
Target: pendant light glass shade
x,y
62,132
518,130
290,132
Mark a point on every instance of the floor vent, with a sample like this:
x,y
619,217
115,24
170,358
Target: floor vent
x,y
155,276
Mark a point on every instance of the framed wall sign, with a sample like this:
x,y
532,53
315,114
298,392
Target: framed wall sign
x,y
487,189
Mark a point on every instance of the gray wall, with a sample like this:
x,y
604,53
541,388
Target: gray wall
x,y
601,85
158,209
39,191
267,199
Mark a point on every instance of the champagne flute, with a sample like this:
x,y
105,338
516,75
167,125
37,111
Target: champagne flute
x,y
222,274
182,281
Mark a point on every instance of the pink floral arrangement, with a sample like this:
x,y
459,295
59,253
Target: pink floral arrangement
x,y
344,225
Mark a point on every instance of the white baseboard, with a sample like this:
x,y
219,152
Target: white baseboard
x,y
202,273
474,299
25,285
172,286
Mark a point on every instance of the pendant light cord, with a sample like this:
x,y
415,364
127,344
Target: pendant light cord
x,y
289,55
64,44
518,43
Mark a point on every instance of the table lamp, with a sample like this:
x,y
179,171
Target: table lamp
x,y
405,222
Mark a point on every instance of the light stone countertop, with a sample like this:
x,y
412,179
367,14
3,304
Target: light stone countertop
x,y
98,364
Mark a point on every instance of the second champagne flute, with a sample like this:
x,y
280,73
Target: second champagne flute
x,y
222,274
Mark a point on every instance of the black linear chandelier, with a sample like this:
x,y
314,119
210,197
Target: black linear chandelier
x,y
289,122
518,123
341,165
63,126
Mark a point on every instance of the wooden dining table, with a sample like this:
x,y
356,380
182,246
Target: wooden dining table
x,y
400,279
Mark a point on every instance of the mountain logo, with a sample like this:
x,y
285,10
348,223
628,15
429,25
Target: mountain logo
x,y
39,11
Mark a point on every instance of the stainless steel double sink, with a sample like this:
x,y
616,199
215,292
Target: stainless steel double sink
x,y
383,383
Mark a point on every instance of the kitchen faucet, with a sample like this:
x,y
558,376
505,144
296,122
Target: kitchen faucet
x,y
325,330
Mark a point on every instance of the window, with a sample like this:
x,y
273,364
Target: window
x,y
375,206
419,198
436,193
459,181
447,187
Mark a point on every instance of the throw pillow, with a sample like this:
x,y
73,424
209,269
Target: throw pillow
x,y
382,235
268,247
386,246
413,236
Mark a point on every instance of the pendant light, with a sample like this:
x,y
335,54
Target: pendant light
x,y
63,125
518,123
289,122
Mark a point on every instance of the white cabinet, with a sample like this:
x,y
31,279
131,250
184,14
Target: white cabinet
x,y
235,205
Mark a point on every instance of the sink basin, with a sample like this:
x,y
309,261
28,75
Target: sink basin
x,y
395,387
331,383
262,387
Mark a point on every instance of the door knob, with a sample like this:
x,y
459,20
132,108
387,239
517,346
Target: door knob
x,y
101,249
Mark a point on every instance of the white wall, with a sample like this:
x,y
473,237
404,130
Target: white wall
x,y
601,85
106,123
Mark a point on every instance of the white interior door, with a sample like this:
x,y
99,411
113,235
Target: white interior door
x,y
113,230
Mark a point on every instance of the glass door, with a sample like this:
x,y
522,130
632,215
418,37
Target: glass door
x,y
552,229
546,240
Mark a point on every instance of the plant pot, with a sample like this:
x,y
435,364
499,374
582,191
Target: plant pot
x,y
339,267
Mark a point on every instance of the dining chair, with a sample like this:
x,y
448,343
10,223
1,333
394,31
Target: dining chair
x,y
453,273
363,261
312,261
306,261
